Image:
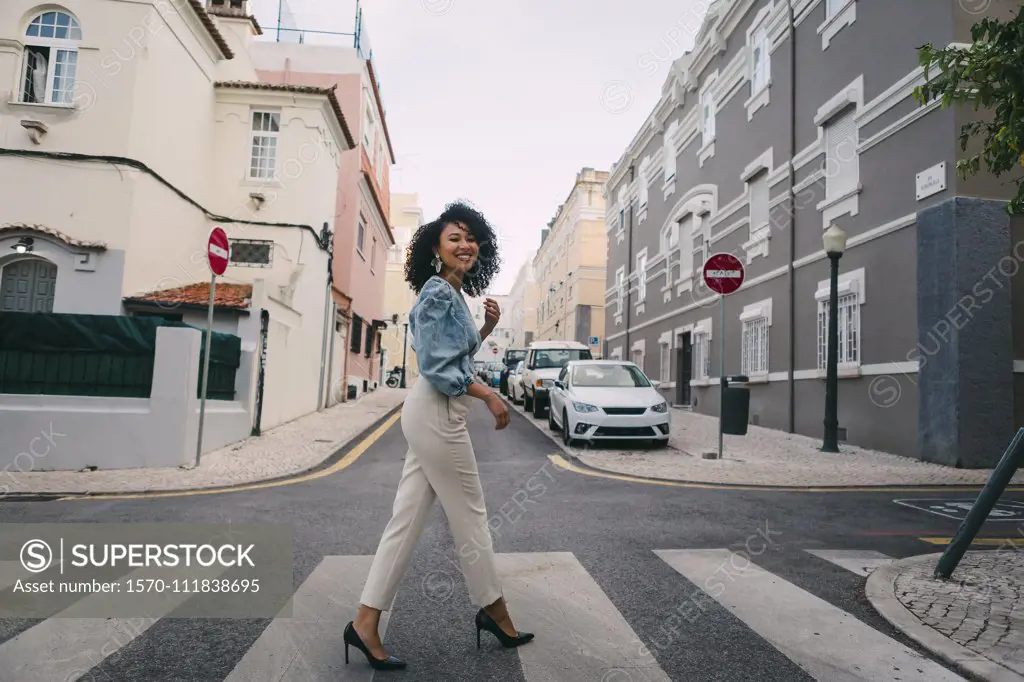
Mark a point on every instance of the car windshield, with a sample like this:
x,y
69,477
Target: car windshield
x,y
615,376
557,357
515,356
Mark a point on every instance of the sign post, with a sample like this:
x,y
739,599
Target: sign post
x,y
217,253
723,274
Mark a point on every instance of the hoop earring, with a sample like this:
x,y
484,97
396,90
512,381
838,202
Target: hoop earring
x,y
437,264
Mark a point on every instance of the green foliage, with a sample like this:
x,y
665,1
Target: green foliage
x,y
989,74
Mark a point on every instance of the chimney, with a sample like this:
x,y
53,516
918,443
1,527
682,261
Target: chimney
x,y
235,9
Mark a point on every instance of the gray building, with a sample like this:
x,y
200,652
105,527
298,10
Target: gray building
x,y
786,117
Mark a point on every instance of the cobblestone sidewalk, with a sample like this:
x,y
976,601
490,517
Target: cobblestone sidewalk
x,y
286,450
763,457
974,620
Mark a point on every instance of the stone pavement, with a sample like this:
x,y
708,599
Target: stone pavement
x,y
764,456
975,620
286,450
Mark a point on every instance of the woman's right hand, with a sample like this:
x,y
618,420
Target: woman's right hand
x,y
499,409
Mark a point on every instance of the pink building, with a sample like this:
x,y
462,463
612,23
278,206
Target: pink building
x,y
362,232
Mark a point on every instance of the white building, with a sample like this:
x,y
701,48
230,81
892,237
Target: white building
x,y
129,130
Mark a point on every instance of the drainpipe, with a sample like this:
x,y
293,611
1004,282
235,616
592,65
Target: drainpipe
x,y
629,265
792,219
323,349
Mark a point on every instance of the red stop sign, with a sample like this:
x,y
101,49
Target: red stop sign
x,y
217,251
723,273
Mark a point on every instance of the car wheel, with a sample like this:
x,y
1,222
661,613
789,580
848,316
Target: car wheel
x,y
538,408
566,438
527,401
551,421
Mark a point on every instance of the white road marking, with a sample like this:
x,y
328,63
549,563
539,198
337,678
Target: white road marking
x,y
66,646
859,561
308,645
827,642
580,635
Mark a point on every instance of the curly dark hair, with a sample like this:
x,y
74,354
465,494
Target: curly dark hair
x,y
418,262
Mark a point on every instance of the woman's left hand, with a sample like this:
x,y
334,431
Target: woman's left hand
x,y
492,312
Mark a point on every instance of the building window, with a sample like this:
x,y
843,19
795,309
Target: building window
x,y
368,124
373,254
669,151
702,355
832,7
50,59
758,188
251,252
755,346
849,331
760,61
361,235
638,358
620,288
666,363
641,276
851,298
642,186
842,167
266,128
707,107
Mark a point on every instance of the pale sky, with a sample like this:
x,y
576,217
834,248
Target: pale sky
x,y
503,103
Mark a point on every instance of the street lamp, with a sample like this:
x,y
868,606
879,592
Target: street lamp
x,y
835,243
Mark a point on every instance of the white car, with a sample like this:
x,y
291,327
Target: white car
x,y
607,399
544,361
515,383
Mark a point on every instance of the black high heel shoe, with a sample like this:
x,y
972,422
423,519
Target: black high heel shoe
x,y
389,663
485,622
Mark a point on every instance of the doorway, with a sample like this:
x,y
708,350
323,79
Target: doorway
x,y
28,286
684,368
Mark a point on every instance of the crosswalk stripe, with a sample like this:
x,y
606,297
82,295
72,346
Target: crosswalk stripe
x,y
827,642
580,634
307,644
66,646
859,561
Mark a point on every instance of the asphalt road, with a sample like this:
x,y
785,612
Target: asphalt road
x,y
584,574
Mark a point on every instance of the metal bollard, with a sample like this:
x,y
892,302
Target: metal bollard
x,y
982,506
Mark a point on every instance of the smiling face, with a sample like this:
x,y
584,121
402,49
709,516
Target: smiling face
x,y
457,248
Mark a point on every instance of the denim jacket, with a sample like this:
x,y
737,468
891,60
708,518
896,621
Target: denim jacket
x,y
444,337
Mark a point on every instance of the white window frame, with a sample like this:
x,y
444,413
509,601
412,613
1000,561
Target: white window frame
x,y
361,235
66,47
665,368
708,113
759,65
756,321
851,299
838,15
641,276
639,348
840,152
756,176
369,123
263,141
669,154
643,189
702,351
620,288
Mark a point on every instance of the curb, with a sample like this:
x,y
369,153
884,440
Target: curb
x,y
756,487
880,590
326,463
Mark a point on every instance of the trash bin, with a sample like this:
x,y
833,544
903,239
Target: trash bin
x,y
735,408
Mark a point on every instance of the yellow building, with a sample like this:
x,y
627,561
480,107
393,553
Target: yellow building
x,y
522,305
406,218
570,266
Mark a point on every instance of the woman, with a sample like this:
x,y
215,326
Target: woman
x,y
455,253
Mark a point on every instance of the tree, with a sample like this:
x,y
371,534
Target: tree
x,y
990,73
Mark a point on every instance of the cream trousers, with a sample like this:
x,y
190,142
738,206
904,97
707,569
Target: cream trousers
x,y
440,464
